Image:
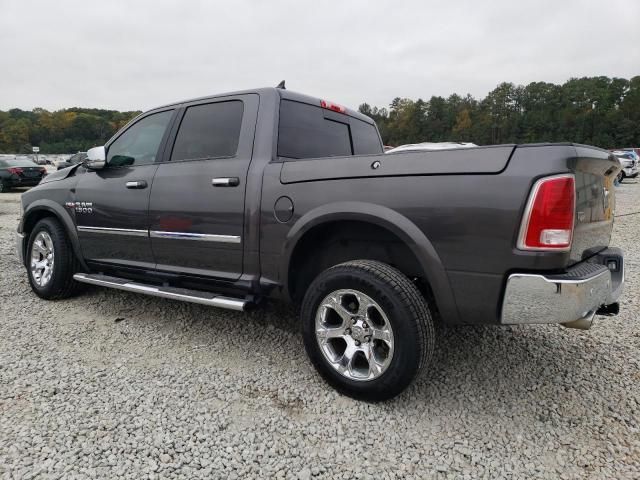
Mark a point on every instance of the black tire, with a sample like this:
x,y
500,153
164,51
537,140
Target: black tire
x,y
65,264
621,177
407,312
4,188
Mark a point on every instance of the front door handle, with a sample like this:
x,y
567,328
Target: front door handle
x,y
225,182
136,184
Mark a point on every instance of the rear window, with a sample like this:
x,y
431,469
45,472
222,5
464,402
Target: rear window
x,y
209,131
19,163
306,132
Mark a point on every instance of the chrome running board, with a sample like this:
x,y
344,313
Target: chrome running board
x,y
173,293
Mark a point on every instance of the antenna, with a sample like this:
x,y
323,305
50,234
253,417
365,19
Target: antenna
x,y
281,85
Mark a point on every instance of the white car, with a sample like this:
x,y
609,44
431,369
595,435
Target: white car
x,y
629,161
414,147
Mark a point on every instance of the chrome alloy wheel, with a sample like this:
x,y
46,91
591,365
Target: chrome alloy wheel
x,y
42,257
354,334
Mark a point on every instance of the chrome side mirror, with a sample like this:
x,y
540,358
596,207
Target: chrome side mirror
x,y
96,158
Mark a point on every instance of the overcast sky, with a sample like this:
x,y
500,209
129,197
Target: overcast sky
x,y
131,55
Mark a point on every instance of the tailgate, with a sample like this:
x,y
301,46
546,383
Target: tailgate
x,y
594,171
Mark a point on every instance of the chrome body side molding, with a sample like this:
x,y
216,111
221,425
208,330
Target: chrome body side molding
x,y
114,231
162,234
195,236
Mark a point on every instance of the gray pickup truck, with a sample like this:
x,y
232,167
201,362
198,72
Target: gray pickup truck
x,y
233,199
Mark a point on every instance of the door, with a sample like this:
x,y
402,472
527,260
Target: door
x,y
112,204
197,199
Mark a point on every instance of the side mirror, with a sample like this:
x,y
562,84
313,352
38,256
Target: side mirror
x,y
96,158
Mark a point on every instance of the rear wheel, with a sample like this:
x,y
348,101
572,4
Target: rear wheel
x,y
367,329
50,261
621,177
4,188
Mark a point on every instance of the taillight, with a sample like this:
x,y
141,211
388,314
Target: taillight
x,y
15,170
332,106
549,217
43,171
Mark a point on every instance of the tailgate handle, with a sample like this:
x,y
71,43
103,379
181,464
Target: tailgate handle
x,y
136,184
225,182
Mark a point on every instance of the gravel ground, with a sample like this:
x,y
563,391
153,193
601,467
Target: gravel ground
x,y
111,384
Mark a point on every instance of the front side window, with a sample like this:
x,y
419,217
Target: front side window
x,y
209,131
139,144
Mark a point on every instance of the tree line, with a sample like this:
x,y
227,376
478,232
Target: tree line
x,y
63,131
599,111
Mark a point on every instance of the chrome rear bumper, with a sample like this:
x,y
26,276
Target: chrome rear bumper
x,y
571,298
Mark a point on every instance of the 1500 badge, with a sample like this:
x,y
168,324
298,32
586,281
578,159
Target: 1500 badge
x,y
80,207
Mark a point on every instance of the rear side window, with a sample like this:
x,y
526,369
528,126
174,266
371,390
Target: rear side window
x,y
209,131
366,140
305,133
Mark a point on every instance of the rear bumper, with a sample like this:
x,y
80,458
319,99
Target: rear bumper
x,y
567,298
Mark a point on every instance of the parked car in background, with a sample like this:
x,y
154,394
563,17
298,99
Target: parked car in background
x,y
74,160
19,173
416,147
632,149
59,160
629,160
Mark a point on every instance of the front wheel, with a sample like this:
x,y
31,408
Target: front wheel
x,y
367,329
50,261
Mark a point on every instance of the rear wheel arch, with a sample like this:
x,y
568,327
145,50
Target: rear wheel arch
x,y
314,244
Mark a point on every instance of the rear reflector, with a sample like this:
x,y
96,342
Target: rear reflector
x,y
549,217
332,106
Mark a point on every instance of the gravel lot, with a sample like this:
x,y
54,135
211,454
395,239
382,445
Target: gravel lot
x,y
111,384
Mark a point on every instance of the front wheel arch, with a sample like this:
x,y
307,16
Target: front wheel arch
x,y
37,213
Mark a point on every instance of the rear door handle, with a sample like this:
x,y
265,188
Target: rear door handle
x,y
136,184
225,182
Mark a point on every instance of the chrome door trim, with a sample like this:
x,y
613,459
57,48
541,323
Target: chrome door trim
x,y
195,236
114,231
